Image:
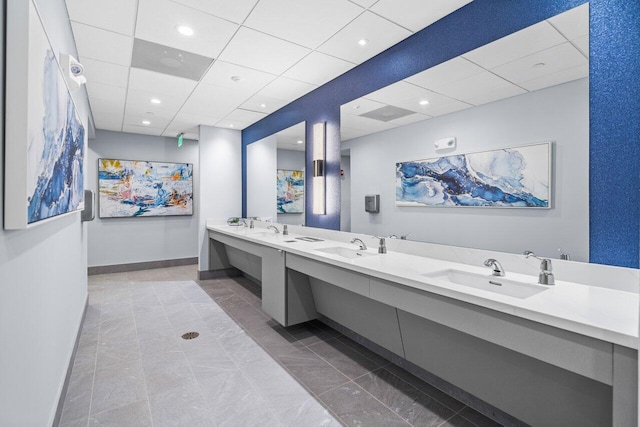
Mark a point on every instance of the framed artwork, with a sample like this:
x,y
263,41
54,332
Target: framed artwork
x,y
290,191
45,138
133,188
518,177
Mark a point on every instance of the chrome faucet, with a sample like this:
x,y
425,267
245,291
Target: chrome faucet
x,y
363,247
496,266
251,224
285,230
274,228
546,275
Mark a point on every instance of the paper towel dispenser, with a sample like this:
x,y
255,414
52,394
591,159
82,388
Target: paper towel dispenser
x,y
88,213
372,203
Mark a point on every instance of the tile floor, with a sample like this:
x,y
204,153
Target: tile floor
x,y
133,368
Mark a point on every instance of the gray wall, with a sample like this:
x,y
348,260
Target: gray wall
x,y
291,160
559,114
43,282
130,240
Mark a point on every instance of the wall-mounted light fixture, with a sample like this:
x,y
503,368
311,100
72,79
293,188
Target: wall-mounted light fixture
x,y
319,201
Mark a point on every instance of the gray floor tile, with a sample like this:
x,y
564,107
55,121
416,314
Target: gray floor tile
x,y
458,421
308,334
75,423
344,358
78,398
118,385
405,400
380,361
165,371
356,407
136,414
115,350
477,418
238,342
312,371
311,413
182,406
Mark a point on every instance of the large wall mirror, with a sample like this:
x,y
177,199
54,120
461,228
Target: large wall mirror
x,y
275,176
527,88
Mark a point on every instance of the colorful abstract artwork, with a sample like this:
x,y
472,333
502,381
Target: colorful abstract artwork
x,y
45,165
290,191
512,177
131,188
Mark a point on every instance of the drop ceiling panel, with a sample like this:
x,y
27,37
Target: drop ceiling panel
x,y
103,123
105,72
113,15
494,95
416,14
371,125
407,120
149,113
539,64
234,76
262,103
305,22
157,20
112,95
573,23
160,84
450,107
186,121
232,124
347,133
475,86
107,112
262,52
318,68
234,11
136,120
445,73
102,45
286,89
245,116
143,99
364,3
564,76
414,103
144,130
167,60
214,101
396,92
582,43
360,106
533,39
380,33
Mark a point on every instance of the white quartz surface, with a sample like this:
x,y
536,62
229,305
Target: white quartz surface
x,y
599,312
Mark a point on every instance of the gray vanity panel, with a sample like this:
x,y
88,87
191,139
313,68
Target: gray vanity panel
x,y
577,353
371,319
274,283
354,282
300,304
533,391
625,386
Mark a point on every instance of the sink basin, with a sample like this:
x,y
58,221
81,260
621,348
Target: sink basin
x,y
345,252
488,282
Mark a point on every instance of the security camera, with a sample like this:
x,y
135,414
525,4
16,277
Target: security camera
x,y
73,71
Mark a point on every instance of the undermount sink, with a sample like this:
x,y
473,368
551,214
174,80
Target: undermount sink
x,y
488,282
345,252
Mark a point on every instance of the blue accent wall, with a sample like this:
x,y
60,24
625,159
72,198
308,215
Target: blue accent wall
x,y
614,106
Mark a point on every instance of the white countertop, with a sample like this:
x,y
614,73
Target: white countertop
x,y
606,314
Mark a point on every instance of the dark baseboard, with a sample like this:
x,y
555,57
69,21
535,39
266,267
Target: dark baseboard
x,y
445,386
136,266
67,378
218,274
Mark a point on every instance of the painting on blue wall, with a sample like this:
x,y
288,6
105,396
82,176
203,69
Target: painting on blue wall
x,y
290,191
134,188
518,177
45,137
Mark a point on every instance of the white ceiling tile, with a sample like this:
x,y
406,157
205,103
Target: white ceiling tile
x,y
360,106
365,123
318,68
186,121
160,84
347,133
108,94
445,73
364,3
450,107
232,124
262,103
144,130
142,99
106,111
106,124
487,96
214,101
411,118
305,22
476,87
564,76
157,20
245,116
582,43
435,100
112,15
416,14
395,92
573,23
221,74
517,45
286,89
554,60
136,120
380,33
105,72
102,45
234,11
149,112
262,52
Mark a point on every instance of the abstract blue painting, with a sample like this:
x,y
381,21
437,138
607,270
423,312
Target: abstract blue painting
x,y
290,191
516,177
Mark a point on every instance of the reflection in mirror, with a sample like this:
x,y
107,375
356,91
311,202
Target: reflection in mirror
x,y
275,176
529,87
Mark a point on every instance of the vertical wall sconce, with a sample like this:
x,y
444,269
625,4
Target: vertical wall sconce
x,y
319,201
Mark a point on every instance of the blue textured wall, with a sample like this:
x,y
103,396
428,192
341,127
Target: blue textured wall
x,y
614,239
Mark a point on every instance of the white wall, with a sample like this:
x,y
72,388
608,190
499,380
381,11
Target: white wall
x,y
43,283
559,114
261,178
290,160
129,240
220,182
345,193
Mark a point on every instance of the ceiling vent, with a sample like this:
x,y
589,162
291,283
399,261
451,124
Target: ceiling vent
x,y
387,113
167,60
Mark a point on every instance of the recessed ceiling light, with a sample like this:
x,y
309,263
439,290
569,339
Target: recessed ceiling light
x,y
236,78
424,102
230,126
263,105
146,122
363,42
539,65
155,101
300,141
185,30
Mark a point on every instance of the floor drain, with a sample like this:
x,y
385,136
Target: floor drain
x,y
190,335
